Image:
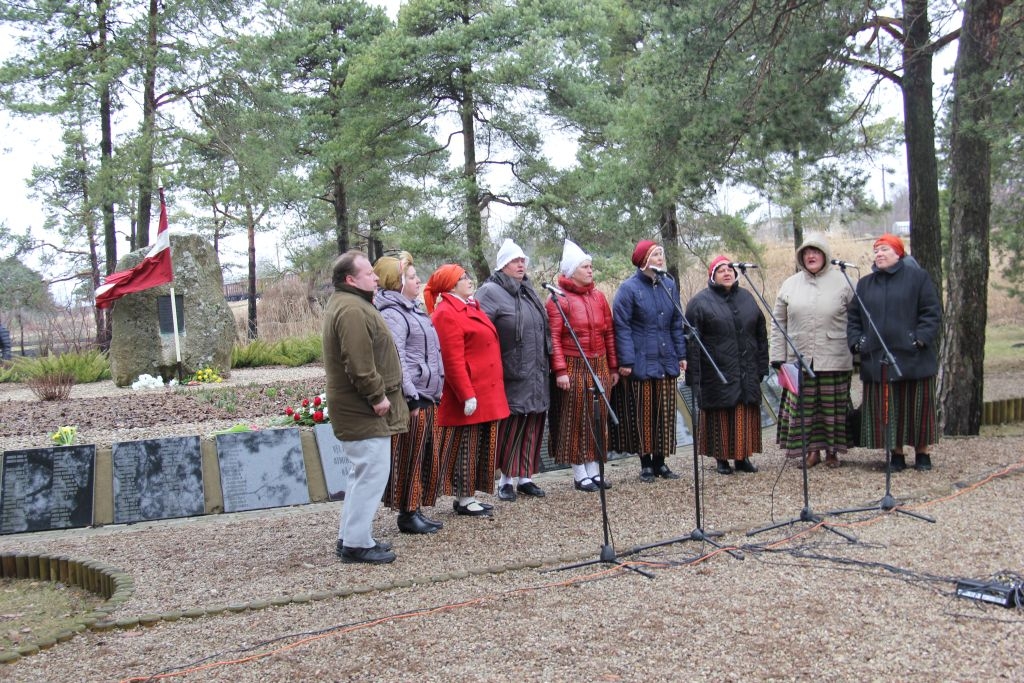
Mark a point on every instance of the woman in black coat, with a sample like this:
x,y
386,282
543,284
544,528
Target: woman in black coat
x,y
733,330
902,302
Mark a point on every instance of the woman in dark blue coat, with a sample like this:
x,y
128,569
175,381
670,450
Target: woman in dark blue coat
x,y
652,352
733,330
902,302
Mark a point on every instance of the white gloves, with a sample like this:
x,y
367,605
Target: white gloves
x,y
470,407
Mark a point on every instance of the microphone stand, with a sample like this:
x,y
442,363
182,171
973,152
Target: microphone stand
x,y
888,502
806,513
607,554
698,533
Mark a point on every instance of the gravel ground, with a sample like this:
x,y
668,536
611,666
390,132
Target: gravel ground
x,y
466,604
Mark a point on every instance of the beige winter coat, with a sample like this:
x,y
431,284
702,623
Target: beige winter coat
x,y
811,308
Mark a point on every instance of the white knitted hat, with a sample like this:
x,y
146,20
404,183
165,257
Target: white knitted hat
x,y
572,258
509,251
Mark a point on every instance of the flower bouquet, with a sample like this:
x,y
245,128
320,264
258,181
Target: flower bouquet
x,y
309,412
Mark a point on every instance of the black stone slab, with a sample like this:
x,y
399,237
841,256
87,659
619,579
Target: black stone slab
x,y
158,479
47,488
332,458
262,469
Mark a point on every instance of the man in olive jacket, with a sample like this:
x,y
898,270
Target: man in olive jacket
x,y
364,395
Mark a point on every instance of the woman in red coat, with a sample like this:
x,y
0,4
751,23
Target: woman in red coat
x,y
472,400
571,417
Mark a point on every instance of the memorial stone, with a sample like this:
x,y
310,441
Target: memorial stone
x,y
262,469
332,458
157,479
47,488
138,346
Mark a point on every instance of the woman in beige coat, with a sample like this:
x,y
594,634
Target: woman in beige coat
x,y
811,308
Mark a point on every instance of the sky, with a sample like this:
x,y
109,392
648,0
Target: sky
x,y
28,142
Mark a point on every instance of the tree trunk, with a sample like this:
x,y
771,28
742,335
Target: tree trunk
x,y
919,129
669,226
106,149
148,127
340,202
250,221
474,224
962,374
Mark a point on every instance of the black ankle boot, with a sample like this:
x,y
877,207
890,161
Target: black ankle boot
x,y
898,463
411,523
646,469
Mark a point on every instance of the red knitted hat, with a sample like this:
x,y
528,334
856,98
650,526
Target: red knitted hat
x,y
718,261
643,252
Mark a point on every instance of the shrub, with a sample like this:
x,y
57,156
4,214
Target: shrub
x,y
52,386
290,352
83,367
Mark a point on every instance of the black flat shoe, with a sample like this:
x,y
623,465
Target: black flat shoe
x,y
383,545
410,523
469,512
428,520
531,489
723,467
665,473
646,475
374,555
601,482
587,485
507,493
746,465
485,506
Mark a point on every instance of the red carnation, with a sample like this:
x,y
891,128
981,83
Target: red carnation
x,y
317,401
288,410
318,416
297,417
305,403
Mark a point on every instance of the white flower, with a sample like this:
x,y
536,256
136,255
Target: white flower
x,y
148,382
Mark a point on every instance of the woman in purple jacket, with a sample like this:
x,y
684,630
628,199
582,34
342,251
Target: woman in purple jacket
x,y
414,457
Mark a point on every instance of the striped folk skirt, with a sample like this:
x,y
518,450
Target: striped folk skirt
x,y
519,440
730,433
414,462
646,409
822,414
571,428
911,414
466,459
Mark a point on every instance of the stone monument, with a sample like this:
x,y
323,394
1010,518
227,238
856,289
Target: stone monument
x,y
140,344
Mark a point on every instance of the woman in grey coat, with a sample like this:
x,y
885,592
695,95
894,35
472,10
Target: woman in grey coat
x,y
509,300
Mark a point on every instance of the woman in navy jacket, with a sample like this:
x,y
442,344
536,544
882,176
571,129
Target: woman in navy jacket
x,y
652,351
733,330
903,304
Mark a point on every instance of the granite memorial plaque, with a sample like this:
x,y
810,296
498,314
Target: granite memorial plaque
x,y
158,479
47,488
262,469
332,458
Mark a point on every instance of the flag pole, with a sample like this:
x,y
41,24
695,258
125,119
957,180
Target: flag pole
x,y
174,307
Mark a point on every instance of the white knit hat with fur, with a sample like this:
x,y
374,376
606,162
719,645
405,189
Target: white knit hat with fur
x,y
572,258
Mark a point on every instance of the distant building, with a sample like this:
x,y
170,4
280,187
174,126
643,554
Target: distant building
x,y
901,228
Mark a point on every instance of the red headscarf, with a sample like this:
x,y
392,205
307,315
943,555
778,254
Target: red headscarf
x,y
442,280
642,253
893,241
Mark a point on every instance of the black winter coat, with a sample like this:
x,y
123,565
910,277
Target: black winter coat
x,y
902,302
733,330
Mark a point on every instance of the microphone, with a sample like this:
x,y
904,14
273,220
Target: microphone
x,y
843,264
554,290
742,266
